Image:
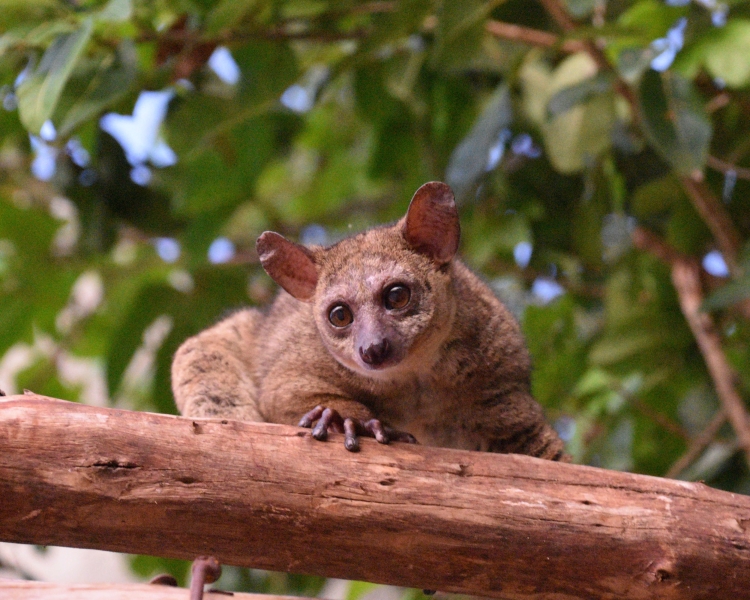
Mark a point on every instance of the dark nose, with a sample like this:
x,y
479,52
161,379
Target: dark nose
x,y
375,354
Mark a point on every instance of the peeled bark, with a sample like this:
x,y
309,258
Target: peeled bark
x,y
269,496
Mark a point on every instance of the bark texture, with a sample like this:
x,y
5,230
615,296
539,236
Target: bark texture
x,y
269,496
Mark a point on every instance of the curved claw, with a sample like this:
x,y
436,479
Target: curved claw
x,y
308,418
329,419
400,436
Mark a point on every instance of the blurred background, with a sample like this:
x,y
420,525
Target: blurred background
x,y
599,152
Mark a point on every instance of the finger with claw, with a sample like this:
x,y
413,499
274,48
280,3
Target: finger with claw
x,y
329,419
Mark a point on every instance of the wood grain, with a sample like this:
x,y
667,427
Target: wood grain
x,y
35,590
269,496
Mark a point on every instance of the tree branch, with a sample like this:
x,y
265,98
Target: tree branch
x,y
726,167
269,496
687,283
715,216
37,590
698,445
533,37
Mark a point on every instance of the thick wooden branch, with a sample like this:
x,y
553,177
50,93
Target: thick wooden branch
x,y
270,496
35,590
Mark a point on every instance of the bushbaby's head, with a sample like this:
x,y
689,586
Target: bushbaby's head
x,y
382,300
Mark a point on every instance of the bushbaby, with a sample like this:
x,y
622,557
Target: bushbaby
x,y
384,334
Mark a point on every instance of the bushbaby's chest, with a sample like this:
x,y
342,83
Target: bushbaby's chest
x,y
435,415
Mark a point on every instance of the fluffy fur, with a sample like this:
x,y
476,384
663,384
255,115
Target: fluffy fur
x,y
456,372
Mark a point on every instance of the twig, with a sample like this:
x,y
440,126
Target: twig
x,y
686,279
271,34
533,37
698,445
559,14
687,283
657,417
715,216
205,569
725,167
717,102
643,239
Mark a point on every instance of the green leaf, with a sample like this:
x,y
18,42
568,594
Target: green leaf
x,y
108,84
594,381
460,31
406,18
730,294
116,11
656,197
268,68
18,12
469,160
39,93
651,18
616,348
675,120
723,51
357,589
578,93
27,36
228,13
574,137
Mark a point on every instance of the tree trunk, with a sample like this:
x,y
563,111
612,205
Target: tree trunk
x,y
269,496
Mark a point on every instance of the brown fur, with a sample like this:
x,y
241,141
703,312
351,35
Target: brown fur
x,y
457,374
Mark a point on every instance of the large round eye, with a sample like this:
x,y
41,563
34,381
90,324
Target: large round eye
x,y
340,315
397,296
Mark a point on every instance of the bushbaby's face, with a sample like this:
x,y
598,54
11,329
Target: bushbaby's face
x,y
382,300
382,309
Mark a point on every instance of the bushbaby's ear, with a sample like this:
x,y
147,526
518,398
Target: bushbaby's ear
x,y
290,265
431,224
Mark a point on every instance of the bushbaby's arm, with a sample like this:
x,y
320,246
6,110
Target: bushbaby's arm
x,y
211,373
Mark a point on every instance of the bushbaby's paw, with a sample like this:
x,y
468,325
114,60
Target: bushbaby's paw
x,y
329,419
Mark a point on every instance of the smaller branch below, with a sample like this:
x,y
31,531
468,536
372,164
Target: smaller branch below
x,y
698,445
687,283
686,279
36,590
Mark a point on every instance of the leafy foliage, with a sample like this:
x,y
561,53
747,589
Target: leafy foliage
x,y
120,237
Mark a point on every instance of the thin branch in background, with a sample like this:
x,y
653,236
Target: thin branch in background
x,y
657,417
726,167
719,101
698,445
559,14
643,239
533,37
716,218
686,278
706,203
278,34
